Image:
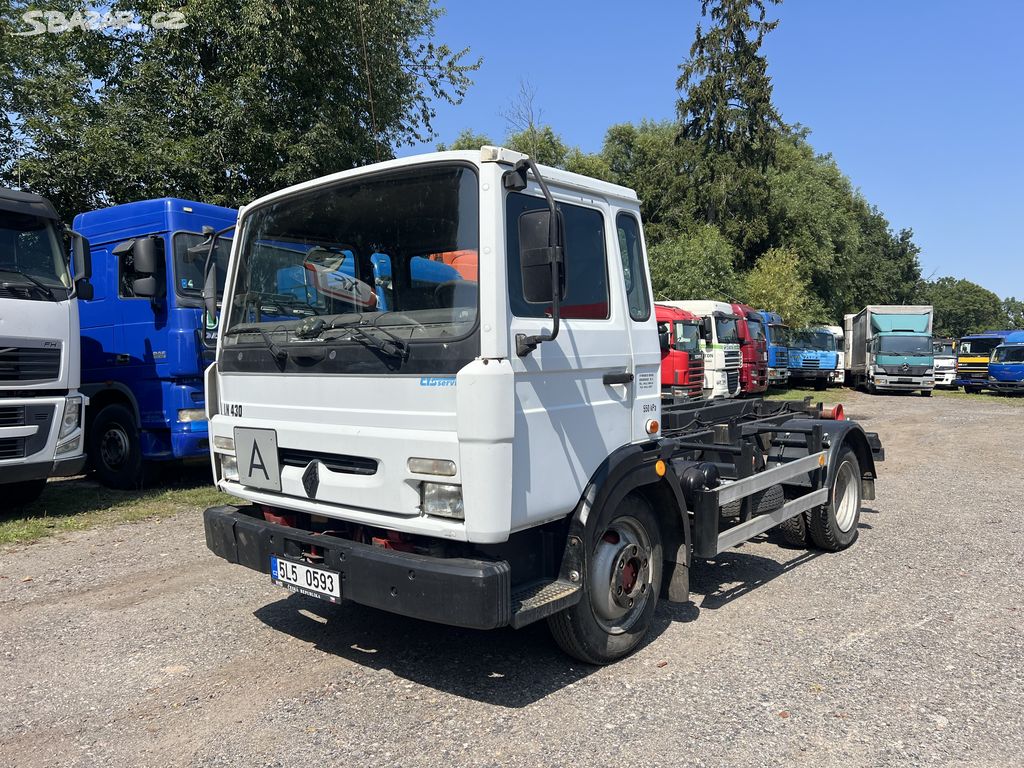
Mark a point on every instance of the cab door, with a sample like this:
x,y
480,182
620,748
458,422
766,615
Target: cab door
x,y
574,395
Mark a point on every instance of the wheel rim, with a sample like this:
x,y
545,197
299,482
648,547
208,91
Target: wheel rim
x,y
115,447
621,575
846,497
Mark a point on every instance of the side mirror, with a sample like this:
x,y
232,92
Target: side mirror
x,y
539,263
81,256
149,256
707,327
146,287
663,339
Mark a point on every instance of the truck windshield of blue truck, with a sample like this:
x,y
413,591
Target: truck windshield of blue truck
x,y
358,261
908,346
188,267
823,341
31,250
1014,354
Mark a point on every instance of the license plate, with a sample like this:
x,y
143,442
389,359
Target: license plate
x,y
256,454
315,582
904,381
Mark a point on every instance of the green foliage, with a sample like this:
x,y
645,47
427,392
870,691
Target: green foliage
x,y
694,266
250,97
1013,308
541,143
776,284
962,307
467,139
728,119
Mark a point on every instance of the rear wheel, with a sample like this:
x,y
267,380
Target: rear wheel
x,y
794,530
620,592
114,450
833,526
21,494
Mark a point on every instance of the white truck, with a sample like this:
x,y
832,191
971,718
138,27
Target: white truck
x,y
838,376
889,348
41,409
720,342
490,452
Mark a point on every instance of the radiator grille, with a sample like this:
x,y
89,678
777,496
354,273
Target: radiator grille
x,y
352,465
12,416
29,364
12,448
733,379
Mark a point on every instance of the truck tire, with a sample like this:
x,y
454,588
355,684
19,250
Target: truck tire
x,y
972,390
794,531
620,591
115,454
926,393
833,526
16,495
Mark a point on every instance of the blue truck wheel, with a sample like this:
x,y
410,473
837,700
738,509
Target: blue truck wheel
x,y
114,450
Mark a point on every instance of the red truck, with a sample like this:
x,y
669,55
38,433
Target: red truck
x,y
682,361
753,348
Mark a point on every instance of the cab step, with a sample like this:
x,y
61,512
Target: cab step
x,y
537,600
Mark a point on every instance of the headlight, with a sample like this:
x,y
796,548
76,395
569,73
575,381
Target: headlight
x,y
71,446
929,372
72,416
442,500
228,467
192,414
223,443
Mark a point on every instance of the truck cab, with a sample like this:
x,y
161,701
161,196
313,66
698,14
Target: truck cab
x,y
753,350
838,376
494,452
143,351
1006,368
682,360
973,355
41,406
813,356
889,348
777,337
944,354
720,342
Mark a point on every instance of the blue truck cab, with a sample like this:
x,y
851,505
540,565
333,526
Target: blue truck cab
x,y
813,356
777,335
1006,368
143,354
973,354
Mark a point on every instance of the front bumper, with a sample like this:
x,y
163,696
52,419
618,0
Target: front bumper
x,y
837,376
810,373
1005,386
890,383
461,592
945,379
778,375
40,470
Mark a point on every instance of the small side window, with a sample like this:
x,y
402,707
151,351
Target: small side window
x,y
631,250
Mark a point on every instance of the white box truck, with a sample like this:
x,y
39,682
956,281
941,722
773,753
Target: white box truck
x,y
889,348
41,409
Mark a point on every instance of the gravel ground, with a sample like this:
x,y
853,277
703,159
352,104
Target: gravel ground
x,y
134,646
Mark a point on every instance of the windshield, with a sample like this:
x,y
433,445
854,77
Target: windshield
x,y
188,268
687,336
942,349
822,341
780,334
29,246
361,252
756,329
913,346
725,328
1014,354
979,347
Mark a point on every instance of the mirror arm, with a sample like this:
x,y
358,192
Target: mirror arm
x,y
526,344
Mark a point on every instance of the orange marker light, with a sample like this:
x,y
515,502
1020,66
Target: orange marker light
x,y
652,426
659,468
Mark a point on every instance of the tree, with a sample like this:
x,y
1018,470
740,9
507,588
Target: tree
x,y
466,139
250,97
962,307
1013,309
776,284
727,118
694,266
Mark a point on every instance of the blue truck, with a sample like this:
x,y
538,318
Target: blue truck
x,y
1006,368
143,353
973,353
777,335
813,356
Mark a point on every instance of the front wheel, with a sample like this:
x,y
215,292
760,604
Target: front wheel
x,y
833,526
926,393
973,390
114,450
620,592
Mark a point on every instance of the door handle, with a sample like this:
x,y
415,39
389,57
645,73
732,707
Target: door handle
x,y
617,377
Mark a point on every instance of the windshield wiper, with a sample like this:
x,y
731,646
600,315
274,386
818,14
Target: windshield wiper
x,y
388,343
34,284
280,355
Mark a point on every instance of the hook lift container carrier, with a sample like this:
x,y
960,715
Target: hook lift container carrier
x,y
494,452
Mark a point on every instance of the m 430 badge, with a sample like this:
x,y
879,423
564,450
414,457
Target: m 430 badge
x,y
229,409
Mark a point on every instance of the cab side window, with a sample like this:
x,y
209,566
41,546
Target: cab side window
x,y
586,280
633,272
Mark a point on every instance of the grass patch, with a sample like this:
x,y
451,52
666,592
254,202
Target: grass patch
x,y
984,397
829,396
73,505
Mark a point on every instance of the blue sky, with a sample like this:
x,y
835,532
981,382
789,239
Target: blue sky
x,y
921,102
